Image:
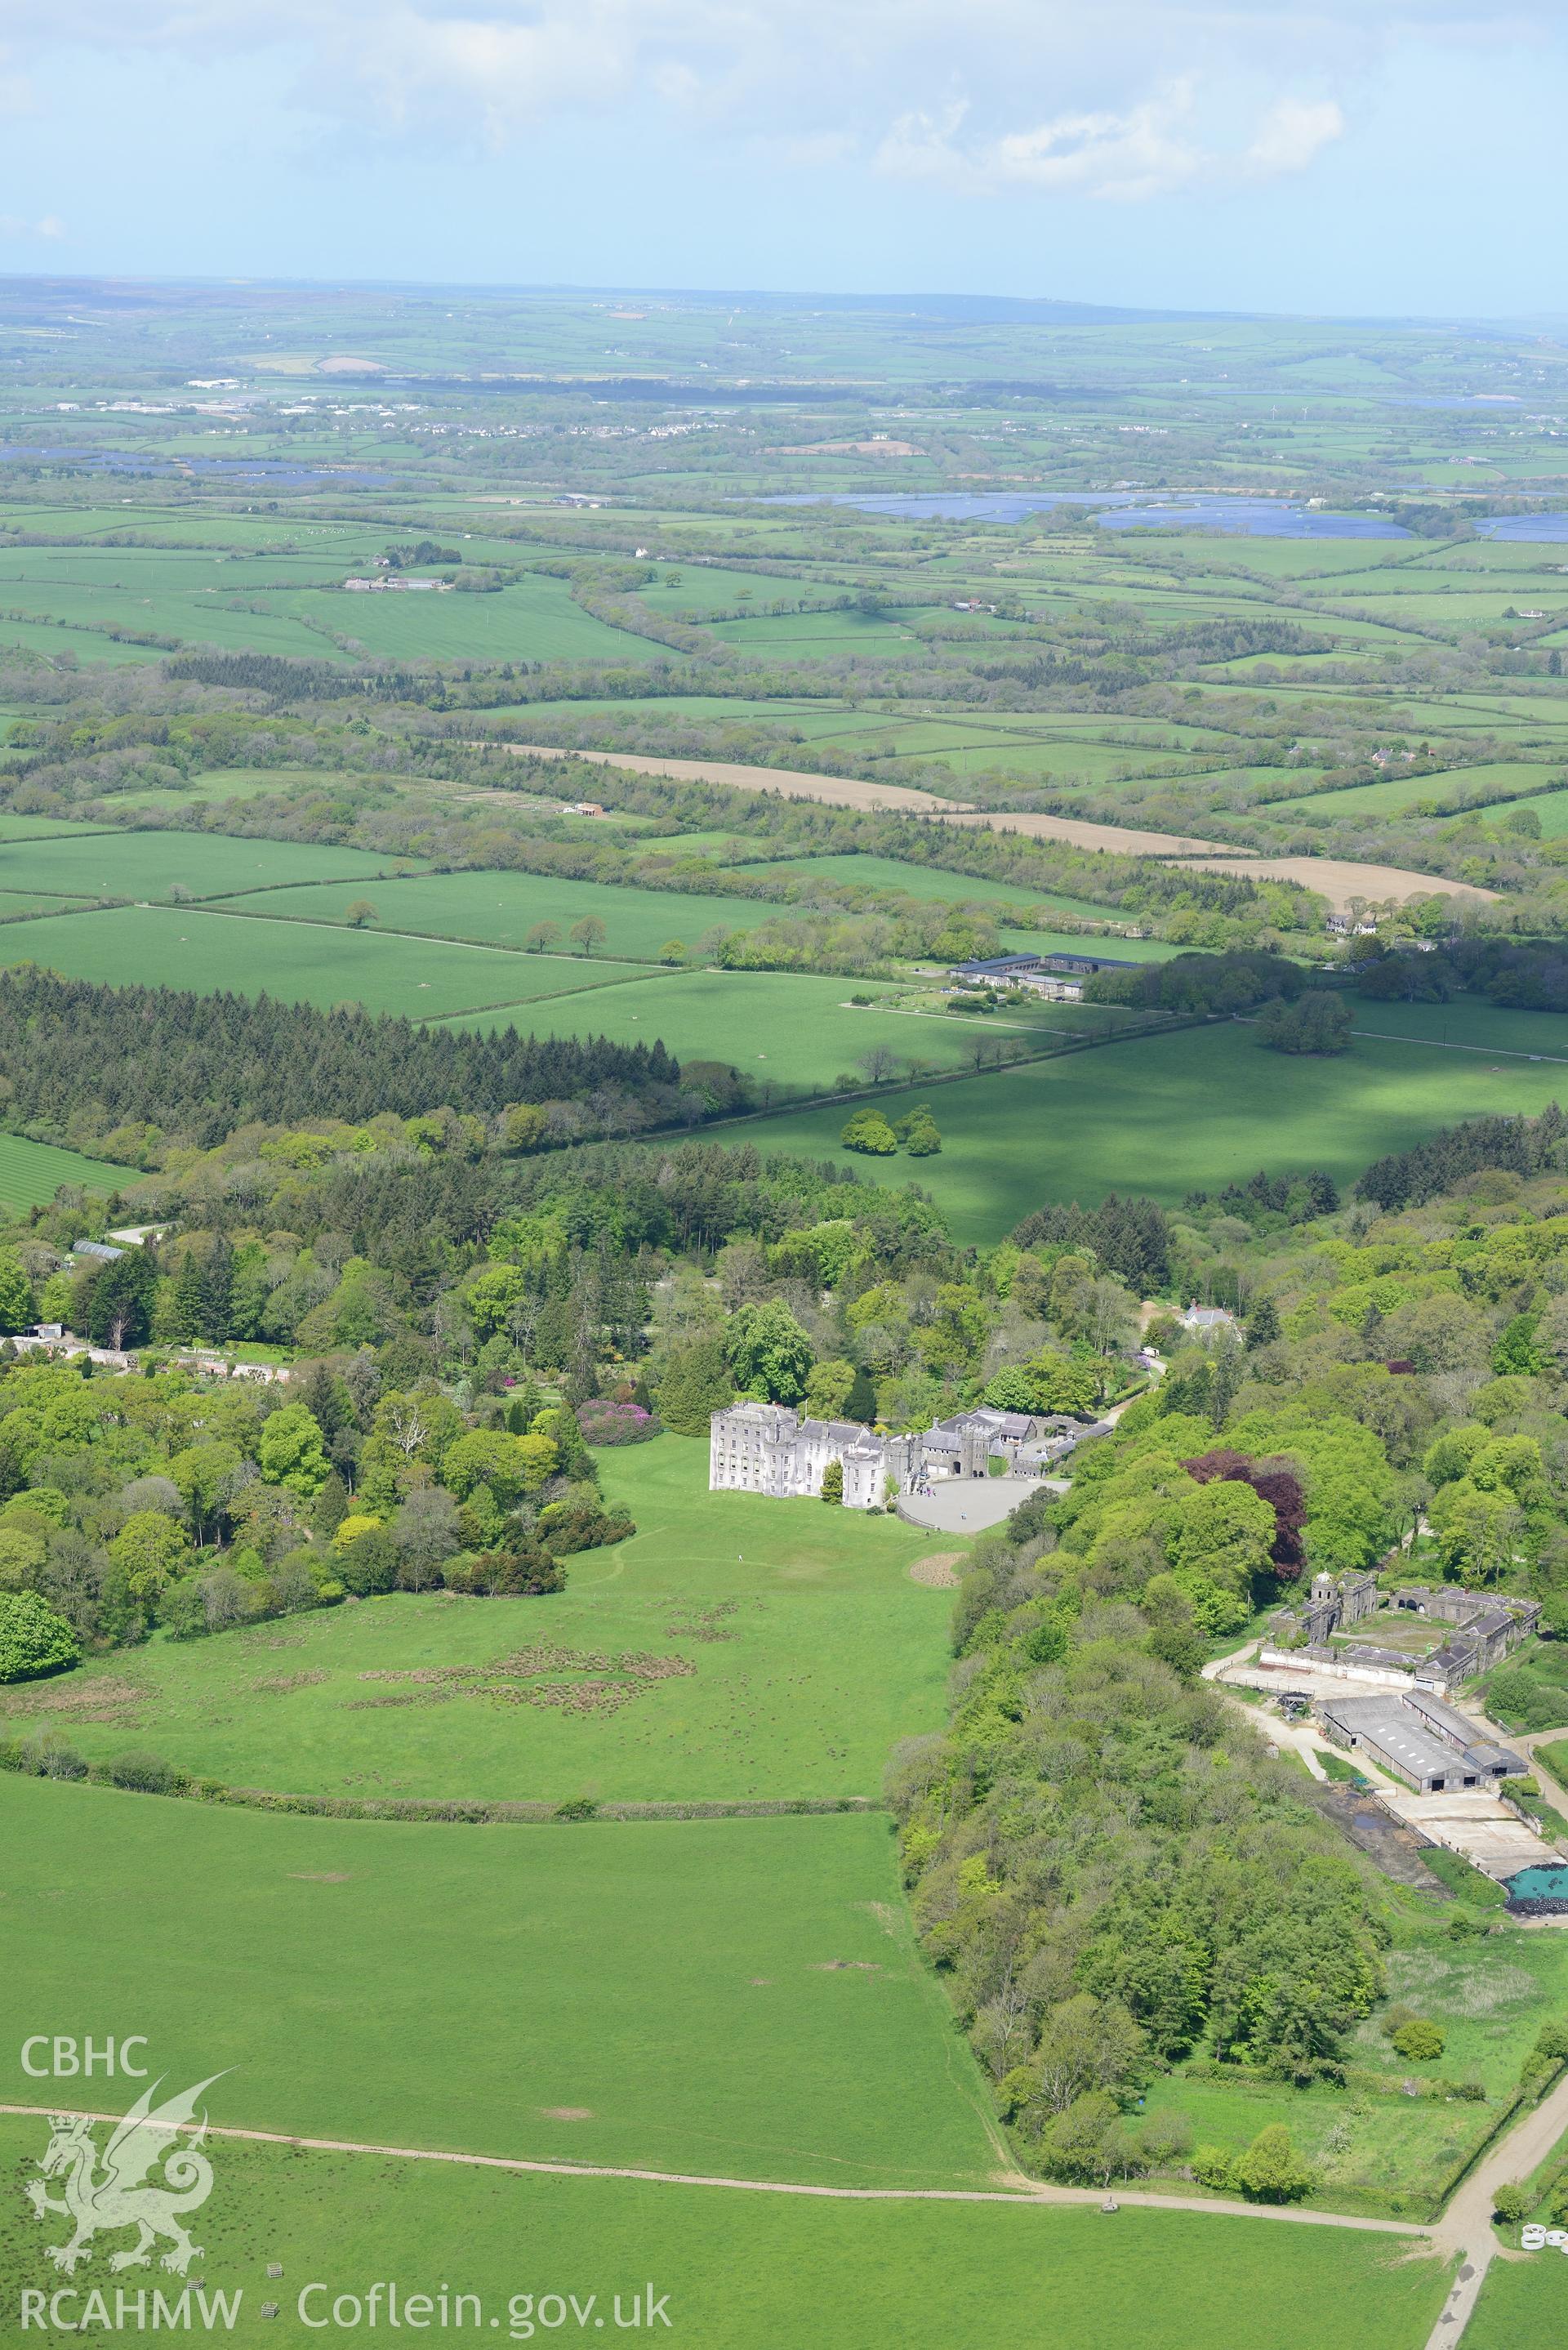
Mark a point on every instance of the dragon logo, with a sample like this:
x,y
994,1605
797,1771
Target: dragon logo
x,y
119,2194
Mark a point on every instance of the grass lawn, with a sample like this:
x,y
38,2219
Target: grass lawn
x,y
32,1172
738,1996
1166,1114
1524,2304
501,909
810,1652
744,2270
793,1028
157,946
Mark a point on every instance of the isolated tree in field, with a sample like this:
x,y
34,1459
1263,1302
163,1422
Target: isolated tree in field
x,y
358,912
543,939
921,1135
1315,1023
833,1481
868,1131
587,934
673,951
879,1064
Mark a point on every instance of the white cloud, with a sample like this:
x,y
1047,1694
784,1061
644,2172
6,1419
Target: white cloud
x,y
1153,149
13,227
1124,101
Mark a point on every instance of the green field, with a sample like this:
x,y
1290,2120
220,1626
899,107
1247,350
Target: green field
x,y
789,1028
1551,811
535,621
1524,2304
739,2269
158,946
1468,1020
32,1172
741,1996
808,1652
42,828
935,881
1508,779
151,864
501,909
1164,1115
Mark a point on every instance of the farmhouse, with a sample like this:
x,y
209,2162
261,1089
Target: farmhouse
x,y
1207,1321
768,1448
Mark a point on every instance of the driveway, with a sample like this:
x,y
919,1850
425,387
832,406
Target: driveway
x,y
968,1505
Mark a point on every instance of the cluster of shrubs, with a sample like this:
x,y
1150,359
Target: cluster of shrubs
x,y
608,1420
876,1136
47,1755
1269,2170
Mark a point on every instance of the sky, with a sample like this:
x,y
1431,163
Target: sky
x,y
1351,157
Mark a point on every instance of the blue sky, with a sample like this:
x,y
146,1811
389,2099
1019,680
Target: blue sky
x,y
1355,157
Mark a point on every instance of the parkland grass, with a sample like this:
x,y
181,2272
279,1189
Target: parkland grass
x,y
741,2268
794,1648
733,1996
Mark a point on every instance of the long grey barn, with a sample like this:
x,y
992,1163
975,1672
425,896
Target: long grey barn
x,y
1434,1756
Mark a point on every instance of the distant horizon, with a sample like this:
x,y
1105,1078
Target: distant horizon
x,y
974,305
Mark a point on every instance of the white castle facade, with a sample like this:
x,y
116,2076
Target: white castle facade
x,y
768,1448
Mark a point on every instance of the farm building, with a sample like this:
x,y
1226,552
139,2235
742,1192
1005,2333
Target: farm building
x,y
1057,977
997,970
1486,1628
1435,1757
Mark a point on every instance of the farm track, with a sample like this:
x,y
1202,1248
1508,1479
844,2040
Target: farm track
x,y
1031,2193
